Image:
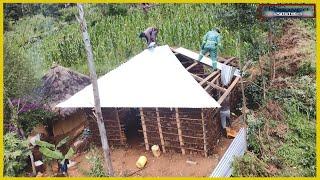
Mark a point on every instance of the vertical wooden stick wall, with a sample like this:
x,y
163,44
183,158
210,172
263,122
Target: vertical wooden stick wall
x,y
204,134
120,131
180,132
144,129
160,130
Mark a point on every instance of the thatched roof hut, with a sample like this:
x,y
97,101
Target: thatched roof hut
x,y
58,84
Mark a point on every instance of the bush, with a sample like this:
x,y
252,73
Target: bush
x,y
254,125
96,160
249,166
254,93
301,93
307,68
15,155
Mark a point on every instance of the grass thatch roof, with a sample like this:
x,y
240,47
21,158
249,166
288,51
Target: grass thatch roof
x,y
60,83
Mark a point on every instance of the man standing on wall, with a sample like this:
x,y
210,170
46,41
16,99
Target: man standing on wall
x,y
210,44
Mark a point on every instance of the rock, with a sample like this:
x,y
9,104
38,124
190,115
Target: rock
x,y
191,162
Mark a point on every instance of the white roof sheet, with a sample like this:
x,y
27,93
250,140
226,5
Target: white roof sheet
x,y
204,60
153,78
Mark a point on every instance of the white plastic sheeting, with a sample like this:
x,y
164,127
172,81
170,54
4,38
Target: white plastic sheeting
x,y
153,78
204,60
226,74
237,148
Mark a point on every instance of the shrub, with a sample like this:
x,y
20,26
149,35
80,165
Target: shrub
x,y
96,160
15,155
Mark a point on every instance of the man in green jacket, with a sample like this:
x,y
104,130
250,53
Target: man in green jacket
x,y
210,44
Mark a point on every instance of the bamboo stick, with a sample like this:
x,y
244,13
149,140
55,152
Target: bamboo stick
x,y
118,119
180,132
160,131
204,135
144,129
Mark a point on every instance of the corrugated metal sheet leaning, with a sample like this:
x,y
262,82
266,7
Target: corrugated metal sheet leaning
x,y
236,149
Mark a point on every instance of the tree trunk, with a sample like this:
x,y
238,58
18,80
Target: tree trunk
x,y
93,76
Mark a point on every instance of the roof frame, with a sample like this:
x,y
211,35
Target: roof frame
x,y
211,80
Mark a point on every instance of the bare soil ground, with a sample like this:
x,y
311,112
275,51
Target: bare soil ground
x,y
170,164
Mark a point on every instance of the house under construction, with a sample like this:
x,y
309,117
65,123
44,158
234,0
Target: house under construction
x,y
166,93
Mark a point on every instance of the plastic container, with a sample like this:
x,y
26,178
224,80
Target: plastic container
x,y
141,162
156,150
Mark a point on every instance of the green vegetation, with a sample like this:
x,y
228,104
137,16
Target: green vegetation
x,y
282,132
96,160
47,39
16,152
52,152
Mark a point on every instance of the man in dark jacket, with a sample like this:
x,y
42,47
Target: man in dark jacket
x,y
150,34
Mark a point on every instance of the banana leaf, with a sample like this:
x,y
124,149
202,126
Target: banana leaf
x,y
69,154
44,144
63,141
56,154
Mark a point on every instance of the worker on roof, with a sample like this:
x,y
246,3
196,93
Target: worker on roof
x,y
210,44
150,34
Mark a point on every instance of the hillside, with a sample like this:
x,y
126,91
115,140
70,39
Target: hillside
x,y
282,130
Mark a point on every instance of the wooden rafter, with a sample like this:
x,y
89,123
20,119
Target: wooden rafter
x,y
225,62
213,80
192,65
208,77
225,94
209,83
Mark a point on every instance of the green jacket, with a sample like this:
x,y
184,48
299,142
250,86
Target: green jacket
x,y
211,40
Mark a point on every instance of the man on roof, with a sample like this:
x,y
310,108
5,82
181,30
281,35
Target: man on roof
x,y
210,43
150,34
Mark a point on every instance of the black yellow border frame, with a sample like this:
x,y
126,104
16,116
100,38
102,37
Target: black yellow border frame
x,y
167,1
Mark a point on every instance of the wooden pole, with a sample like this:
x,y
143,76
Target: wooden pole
x,y
204,134
160,130
144,129
226,93
183,151
93,77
